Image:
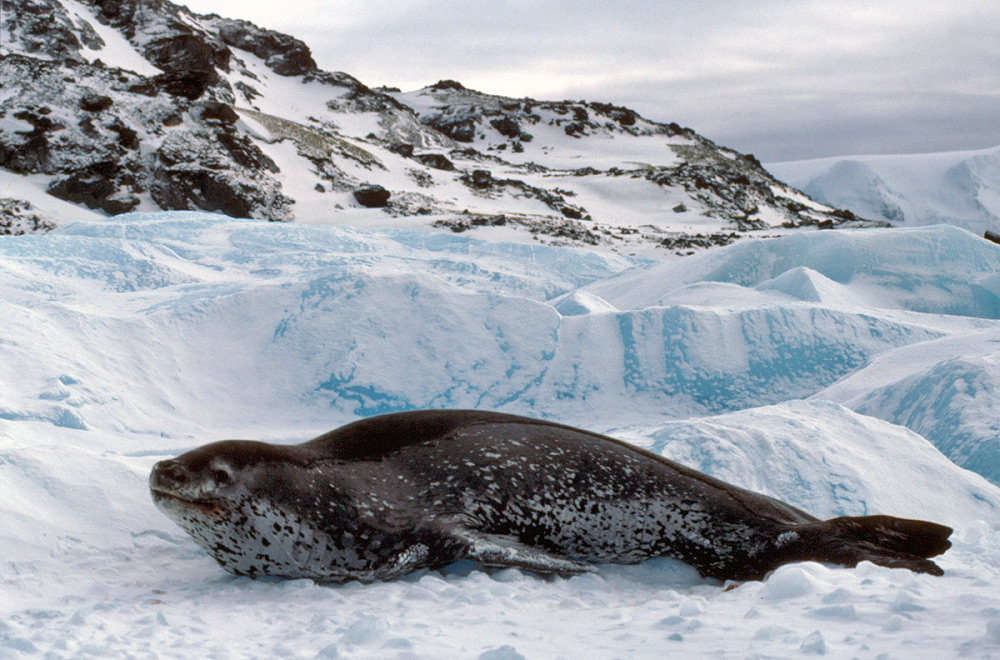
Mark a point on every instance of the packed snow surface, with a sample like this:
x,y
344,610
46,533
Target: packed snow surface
x,y
847,373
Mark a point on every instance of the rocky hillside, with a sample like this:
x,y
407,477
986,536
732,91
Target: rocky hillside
x,y
128,105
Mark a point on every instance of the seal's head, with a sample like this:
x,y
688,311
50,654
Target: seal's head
x,y
224,495
199,482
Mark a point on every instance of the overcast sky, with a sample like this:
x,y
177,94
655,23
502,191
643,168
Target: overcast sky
x,y
782,79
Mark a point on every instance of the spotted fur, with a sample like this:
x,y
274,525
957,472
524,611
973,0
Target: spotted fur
x,y
384,496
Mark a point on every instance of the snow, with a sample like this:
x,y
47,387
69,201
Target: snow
x,y
845,372
958,188
116,47
31,188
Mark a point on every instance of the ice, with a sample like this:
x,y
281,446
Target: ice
x,y
845,372
939,270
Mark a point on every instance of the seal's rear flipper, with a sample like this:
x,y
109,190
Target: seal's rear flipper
x,y
882,540
498,550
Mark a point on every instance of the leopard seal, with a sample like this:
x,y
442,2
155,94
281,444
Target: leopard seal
x,y
387,495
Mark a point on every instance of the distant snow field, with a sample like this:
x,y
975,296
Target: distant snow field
x,y
961,188
846,372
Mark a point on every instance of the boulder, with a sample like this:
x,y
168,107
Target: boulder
x,y
437,161
372,196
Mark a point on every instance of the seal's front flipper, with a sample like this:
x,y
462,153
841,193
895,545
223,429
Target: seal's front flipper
x,y
498,550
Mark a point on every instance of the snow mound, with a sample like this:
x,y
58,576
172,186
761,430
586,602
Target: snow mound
x,y
817,454
946,390
935,270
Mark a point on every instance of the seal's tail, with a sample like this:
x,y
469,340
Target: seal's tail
x,y
882,540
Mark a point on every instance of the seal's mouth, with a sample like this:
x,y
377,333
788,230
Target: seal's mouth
x,y
165,499
166,486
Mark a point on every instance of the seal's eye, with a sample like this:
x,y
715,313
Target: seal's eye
x,y
221,477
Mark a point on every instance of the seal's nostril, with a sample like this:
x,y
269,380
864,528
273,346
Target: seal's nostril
x,y
168,472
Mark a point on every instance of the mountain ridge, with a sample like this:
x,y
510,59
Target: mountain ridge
x,y
220,115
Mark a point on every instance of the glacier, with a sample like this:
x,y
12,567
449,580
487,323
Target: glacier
x,y
846,372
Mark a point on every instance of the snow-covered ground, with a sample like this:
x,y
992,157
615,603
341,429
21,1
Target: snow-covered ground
x,y
960,188
845,372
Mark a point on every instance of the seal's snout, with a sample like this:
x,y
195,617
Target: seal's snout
x,y
167,475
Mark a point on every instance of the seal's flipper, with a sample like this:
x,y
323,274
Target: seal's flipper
x,y
882,540
498,550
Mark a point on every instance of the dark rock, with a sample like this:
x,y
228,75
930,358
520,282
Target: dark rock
x,y
214,112
46,28
447,84
32,155
481,179
506,126
92,102
459,130
216,171
187,84
680,208
687,241
39,120
206,190
319,187
248,92
127,137
575,129
245,153
87,126
623,116
145,86
570,211
283,54
186,52
372,196
437,161
120,14
403,149
96,187
991,236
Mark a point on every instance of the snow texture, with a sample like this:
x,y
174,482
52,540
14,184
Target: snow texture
x,y
846,372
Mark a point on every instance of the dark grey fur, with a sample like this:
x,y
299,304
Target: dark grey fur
x,y
384,496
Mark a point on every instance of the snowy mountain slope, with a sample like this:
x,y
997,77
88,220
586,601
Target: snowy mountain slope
x,y
958,188
130,339
146,105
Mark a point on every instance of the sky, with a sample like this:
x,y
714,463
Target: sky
x,y
782,79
